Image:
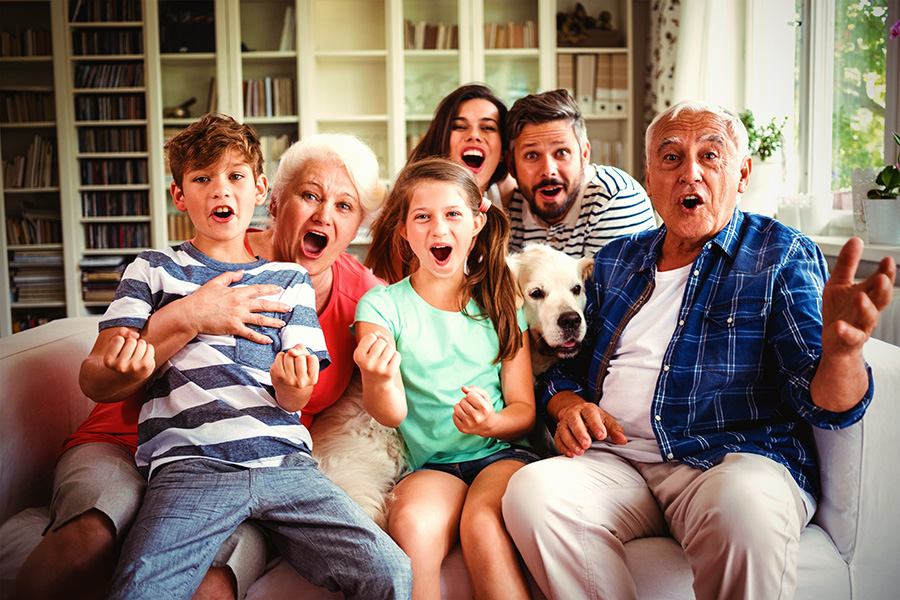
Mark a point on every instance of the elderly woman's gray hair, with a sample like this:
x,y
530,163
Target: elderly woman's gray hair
x,y
694,107
339,149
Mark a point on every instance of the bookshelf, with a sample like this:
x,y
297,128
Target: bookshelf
x,y
118,84
113,171
599,71
32,272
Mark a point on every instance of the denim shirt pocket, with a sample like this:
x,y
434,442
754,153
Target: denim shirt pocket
x,y
255,355
736,326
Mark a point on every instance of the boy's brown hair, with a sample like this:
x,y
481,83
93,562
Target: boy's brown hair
x,y
205,142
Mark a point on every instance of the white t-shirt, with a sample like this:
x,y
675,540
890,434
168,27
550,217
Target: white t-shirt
x,y
634,369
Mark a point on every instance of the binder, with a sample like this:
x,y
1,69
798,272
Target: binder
x,y
585,81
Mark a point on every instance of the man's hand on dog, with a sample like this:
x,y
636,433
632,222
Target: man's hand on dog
x,y
579,423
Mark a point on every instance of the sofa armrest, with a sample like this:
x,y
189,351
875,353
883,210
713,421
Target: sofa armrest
x,y
40,406
861,481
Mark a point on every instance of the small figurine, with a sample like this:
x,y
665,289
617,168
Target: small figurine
x,y
179,112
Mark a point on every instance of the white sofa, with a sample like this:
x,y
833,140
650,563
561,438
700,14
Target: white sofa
x,y
851,549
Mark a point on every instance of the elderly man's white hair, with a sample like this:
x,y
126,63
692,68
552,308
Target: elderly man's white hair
x,y
694,107
340,149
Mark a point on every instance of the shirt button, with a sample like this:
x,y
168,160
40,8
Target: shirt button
x,y
681,323
670,455
665,367
658,418
696,272
729,320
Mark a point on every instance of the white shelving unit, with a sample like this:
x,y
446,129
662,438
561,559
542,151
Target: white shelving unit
x,y
350,71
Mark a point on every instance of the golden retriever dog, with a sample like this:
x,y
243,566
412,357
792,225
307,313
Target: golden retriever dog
x,y
552,285
361,456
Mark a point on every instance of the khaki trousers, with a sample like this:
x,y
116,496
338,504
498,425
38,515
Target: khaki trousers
x,y
738,522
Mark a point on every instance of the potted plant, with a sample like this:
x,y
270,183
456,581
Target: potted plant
x,y
888,178
764,139
766,175
882,206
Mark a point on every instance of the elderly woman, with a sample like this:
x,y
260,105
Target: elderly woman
x,y
325,187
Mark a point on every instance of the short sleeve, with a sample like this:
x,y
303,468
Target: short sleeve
x,y
378,307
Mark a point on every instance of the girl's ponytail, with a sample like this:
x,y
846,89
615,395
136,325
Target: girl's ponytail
x,y
491,283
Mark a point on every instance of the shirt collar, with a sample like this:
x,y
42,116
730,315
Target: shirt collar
x,y
728,239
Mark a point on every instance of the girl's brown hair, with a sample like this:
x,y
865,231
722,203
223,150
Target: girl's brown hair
x,y
489,280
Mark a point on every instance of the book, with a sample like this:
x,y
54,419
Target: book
x,y
603,93
565,73
287,30
211,98
585,78
618,84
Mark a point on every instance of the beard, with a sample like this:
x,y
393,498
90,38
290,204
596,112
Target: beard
x,y
555,211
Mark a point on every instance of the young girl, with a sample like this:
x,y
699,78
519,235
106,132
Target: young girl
x,y
462,395
468,128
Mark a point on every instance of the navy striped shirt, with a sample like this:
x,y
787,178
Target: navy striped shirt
x,y
736,373
214,397
613,205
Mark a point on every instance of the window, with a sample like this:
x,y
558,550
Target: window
x,y
847,73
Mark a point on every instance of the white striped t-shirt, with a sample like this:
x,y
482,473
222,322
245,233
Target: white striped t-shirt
x,y
613,205
214,397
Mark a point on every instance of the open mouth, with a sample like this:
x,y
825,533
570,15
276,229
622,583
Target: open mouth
x,y
549,189
314,243
441,253
222,213
690,202
473,158
568,349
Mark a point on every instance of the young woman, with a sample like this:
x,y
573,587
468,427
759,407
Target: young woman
x,y
462,396
468,128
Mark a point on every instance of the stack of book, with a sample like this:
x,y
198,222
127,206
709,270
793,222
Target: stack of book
x,y
498,36
100,276
27,107
269,97
36,276
26,42
428,36
34,226
180,227
100,236
34,170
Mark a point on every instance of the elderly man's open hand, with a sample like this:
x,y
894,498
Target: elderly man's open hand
x,y
850,311
849,315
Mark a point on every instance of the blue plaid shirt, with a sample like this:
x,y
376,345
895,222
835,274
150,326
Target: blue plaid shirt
x,y
736,374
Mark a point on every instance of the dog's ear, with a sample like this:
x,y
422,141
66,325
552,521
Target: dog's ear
x,y
514,262
585,267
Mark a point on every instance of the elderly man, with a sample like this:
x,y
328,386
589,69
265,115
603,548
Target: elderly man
x,y
562,199
716,345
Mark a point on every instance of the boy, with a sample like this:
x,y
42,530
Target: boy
x,y
220,437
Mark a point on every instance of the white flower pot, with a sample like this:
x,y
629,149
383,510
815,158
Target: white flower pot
x,y
883,220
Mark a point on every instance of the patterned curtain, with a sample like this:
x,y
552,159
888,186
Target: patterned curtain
x,y
665,17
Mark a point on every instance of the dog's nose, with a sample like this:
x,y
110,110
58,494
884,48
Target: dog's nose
x,y
569,320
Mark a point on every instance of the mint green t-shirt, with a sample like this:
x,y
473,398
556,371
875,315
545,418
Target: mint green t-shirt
x,y
440,352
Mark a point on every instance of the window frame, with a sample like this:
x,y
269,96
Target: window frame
x,y
816,99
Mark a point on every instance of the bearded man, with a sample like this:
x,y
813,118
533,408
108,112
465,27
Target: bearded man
x,y
562,199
